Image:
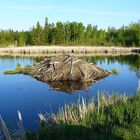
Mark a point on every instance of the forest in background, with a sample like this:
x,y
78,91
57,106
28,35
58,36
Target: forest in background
x,y
72,33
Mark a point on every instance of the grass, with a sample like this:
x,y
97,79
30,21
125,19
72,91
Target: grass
x,y
17,135
20,70
63,49
16,71
111,117
115,71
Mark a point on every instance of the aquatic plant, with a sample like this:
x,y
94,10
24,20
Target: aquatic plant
x,y
19,134
16,71
111,117
115,71
4,130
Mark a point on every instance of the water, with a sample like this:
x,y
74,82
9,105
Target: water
x,y
21,92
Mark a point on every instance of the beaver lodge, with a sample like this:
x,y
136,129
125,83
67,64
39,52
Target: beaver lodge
x,y
65,68
64,73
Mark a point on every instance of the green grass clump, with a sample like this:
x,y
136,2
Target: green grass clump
x,y
10,72
18,67
112,117
20,70
115,71
15,71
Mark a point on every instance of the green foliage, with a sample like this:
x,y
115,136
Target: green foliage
x,y
73,33
59,33
18,67
16,71
10,72
118,118
38,36
115,71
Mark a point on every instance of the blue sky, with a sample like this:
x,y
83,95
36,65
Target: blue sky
x,y
23,14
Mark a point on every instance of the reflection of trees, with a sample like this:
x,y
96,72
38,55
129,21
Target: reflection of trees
x,y
134,64
133,61
138,85
138,75
6,59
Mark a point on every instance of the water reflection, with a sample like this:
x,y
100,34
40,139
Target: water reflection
x,y
132,61
21,92
69,86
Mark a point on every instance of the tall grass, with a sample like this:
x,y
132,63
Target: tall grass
x,y
82,112
111,117
4,129
18,135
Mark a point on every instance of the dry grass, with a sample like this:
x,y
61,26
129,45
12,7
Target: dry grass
x,y
65,49
111,116
76,113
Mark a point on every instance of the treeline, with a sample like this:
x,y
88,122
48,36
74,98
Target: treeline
x,y
72,33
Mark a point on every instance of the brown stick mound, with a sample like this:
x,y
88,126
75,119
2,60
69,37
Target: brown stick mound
x,y
65,68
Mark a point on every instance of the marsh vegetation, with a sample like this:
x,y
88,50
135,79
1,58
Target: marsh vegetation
x,y
111,117
106,116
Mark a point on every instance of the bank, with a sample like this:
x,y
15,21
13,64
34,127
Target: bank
x,y
66,49
112,117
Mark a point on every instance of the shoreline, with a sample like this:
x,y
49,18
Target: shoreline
x,y
44,50
75,54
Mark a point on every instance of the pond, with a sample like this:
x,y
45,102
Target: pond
x,y
24,93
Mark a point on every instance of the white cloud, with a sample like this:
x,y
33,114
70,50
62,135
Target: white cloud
x,y
66,10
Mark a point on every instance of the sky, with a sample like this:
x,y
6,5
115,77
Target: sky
x,y
23,14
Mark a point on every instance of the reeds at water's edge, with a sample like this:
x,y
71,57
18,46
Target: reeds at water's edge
x,y
109,111
4,130
18,135
74,113
67,49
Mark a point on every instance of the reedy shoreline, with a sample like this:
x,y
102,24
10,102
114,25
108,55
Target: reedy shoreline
x,y
66,49
111,117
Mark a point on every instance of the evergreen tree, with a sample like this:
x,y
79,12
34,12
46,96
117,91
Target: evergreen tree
x,y
81,30
67,33
59,33
88,34
72,33
46,31
38,35
51,35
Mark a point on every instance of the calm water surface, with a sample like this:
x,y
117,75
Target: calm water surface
x,y
21,92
